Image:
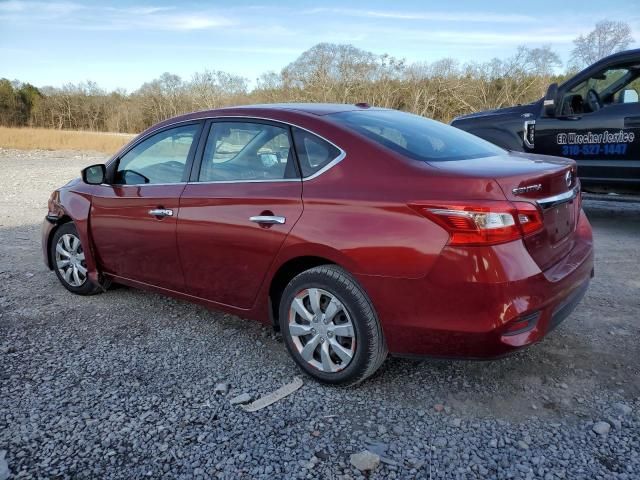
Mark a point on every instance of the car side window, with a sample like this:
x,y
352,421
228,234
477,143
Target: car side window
x,y
161,158
247,151
314,153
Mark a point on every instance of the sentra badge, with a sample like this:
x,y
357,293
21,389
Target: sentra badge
x,y
527,189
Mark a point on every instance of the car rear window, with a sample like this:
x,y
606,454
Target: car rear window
x,y
416,137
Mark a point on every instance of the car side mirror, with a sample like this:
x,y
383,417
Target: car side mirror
x,y
549,104
629,96
94,174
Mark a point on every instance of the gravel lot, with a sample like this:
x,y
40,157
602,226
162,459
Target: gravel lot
x,y
122,385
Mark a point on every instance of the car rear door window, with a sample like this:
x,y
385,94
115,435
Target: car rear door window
x,y
247,151
314,153
161,158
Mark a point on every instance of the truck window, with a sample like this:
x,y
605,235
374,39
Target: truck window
x,y
609,87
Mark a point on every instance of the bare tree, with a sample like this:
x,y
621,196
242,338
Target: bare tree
x,y
606,38
330,72
324,73
215,89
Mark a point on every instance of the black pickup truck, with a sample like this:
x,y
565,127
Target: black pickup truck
x,y
594,118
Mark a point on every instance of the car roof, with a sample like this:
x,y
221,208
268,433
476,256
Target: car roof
x,y
310,108
264,110
318,109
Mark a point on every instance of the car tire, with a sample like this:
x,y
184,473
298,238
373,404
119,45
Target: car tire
x,y
330,327
67,258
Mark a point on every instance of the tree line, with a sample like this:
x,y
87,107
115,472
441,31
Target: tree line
x,y
325,73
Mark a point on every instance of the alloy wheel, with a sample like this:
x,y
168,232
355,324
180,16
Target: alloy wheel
x,y
321,330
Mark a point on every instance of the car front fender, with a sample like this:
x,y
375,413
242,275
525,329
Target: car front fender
x,y
75,207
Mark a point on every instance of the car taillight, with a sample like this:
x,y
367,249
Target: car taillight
x,y
485,223
529,217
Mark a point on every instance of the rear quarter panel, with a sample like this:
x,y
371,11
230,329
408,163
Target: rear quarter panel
x,y
360,211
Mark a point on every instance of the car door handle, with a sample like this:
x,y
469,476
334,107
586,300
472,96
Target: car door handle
x,y
632,121
161,212
268,219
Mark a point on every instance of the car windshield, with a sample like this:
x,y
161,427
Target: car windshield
x,y
416,137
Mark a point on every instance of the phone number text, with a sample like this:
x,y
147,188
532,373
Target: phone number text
x,y
595,149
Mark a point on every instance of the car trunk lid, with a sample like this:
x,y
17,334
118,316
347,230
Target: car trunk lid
x,y
548,182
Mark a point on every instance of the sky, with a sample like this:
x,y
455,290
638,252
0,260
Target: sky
x,y
122,44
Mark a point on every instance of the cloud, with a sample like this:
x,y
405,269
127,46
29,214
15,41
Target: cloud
x,y
182,22
46,8
142,10
493,38
83,17
479,17
252,50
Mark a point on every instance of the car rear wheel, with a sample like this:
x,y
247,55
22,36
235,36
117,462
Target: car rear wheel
x,y
330,326
68,258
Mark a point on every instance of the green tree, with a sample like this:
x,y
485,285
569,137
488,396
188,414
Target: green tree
x,y
29,98
7,102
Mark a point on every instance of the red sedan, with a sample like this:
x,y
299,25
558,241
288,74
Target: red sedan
x,y
356,231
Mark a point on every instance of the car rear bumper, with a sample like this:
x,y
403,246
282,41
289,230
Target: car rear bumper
x,y
471,300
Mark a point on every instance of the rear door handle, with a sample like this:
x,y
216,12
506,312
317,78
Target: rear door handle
x,y
161,212
632,121
268,219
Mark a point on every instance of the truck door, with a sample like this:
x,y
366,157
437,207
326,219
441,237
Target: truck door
x,y
597,123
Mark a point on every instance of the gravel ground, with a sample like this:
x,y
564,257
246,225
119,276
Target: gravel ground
x,y
122,385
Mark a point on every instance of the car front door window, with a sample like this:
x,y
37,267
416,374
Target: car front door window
x,y
160,159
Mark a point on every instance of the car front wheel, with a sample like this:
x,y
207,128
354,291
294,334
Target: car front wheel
x,y
68,258
330,326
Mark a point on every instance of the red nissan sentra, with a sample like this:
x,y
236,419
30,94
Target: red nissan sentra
x,y
356,231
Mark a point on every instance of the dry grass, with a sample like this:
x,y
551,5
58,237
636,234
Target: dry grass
x,y
48,139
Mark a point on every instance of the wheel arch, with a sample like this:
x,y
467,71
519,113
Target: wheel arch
x,y
59,222
284,274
